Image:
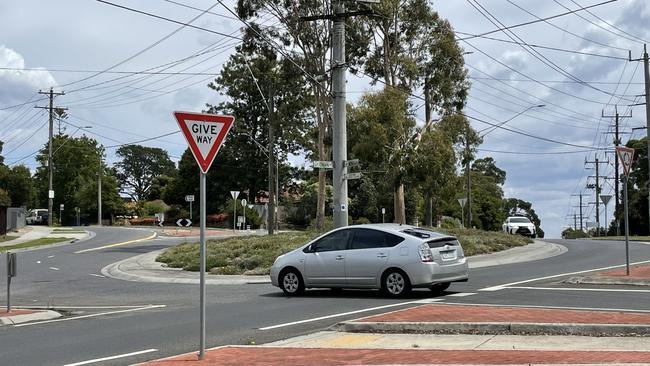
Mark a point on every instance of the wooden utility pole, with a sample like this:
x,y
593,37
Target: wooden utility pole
x,y
50,168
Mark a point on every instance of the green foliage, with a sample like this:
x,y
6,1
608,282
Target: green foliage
x,y
139,166
76,163
570,233
17,181
5,200
450,223
361,221
487,167
241,255
150,208
34,243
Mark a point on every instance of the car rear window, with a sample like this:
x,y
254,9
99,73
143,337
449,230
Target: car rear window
x,y
368,238
422,233
442,243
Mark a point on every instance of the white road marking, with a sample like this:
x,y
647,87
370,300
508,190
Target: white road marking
x,y
50,256
88,307
549,307
462,294
38,262
113,357
427,301
337,315
576,289
90,315
501,287
54,268
96,275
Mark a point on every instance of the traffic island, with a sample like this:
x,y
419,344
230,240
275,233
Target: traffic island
x,y
473,319
18,316
639,276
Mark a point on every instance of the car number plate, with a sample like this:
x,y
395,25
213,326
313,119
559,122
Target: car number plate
x,y
448,255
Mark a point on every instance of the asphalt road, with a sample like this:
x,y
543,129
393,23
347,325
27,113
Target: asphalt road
x,y
107,317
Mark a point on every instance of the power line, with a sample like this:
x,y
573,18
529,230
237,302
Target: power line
x,y
610,24
596,24
530,50
546,20
534,152
544,47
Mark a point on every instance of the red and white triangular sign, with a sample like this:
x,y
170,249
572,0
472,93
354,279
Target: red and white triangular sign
x,y
626,155
204,134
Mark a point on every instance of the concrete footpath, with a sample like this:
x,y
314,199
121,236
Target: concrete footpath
x,y
35,232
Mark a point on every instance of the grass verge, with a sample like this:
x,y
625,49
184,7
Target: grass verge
x,y
7,238
34,243
254,255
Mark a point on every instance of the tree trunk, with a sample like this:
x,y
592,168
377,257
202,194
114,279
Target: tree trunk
x,y
428,209
398,204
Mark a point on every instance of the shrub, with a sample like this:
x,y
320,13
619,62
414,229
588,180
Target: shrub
x,y
361,221
450,223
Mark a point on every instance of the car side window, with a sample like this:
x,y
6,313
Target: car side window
x,y
368,238
335,241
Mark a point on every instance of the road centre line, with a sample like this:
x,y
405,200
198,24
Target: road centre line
x,y
54,268
577,289
96,275
548,307
90,315
501,287
113,357
338,315
117,244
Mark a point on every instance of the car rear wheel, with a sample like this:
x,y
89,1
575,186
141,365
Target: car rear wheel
x,y
395,283
291,282
440,287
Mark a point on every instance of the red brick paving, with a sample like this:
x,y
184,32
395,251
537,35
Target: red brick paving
x,y
494,314
13,312
641,272
262,356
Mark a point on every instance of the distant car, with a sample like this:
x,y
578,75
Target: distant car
x,y
391,257
520,225
37,217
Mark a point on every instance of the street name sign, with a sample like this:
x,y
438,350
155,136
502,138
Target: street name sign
x,y
204,134
323,164
189,198
626,156
353,176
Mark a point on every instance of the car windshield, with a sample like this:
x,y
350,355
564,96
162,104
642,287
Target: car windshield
x,y
422,233
520,220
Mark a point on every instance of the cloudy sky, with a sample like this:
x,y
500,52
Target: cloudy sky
x,y
579,71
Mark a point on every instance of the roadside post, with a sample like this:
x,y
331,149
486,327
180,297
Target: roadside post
x,y
605,199
626,155
234,195
61,214
383,215
462,202
204,134
243,204
190,198
11,272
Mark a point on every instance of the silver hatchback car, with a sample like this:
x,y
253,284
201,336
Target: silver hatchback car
x,y
391,257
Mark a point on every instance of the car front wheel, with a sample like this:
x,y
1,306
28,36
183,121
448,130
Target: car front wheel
x,y
291,283
396,283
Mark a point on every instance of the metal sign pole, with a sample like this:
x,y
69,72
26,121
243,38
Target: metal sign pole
x,y
202,263
8,282
627,231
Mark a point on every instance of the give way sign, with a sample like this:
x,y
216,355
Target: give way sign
x,y
204,134
626,155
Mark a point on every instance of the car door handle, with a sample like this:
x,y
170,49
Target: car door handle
x,y
340,258
381,255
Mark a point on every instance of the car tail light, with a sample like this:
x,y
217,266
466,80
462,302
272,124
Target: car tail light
x,y
425,253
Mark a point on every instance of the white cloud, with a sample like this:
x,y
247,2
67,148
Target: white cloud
x,y
18,85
